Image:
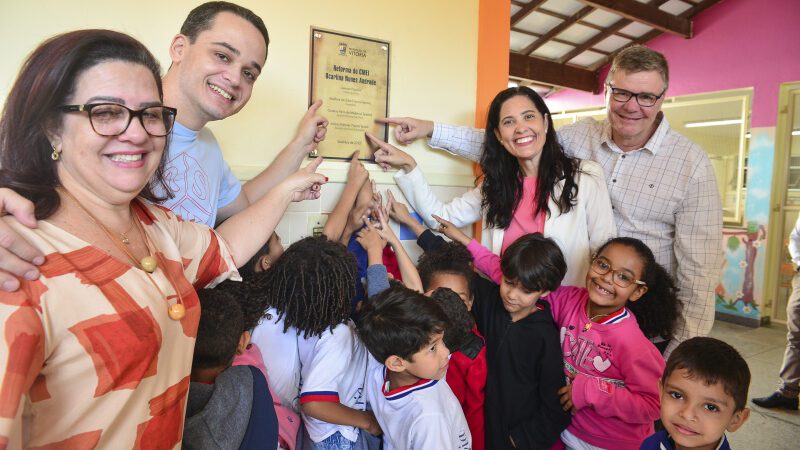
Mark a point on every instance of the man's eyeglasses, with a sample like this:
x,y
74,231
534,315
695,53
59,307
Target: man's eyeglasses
x,y
621,278
112,119
643,98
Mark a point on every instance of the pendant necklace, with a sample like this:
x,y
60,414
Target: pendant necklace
x,y
148,264
588,326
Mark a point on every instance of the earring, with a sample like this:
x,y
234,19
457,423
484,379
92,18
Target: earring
x,y
56,154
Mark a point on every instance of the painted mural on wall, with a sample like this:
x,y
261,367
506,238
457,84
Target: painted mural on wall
x,y
740,289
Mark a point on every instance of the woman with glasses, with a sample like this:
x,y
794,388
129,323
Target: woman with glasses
x,y
97,351
528,185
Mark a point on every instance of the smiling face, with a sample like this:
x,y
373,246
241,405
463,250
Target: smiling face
x,y
606,296
519,301
522,130
215,74
111,169
431,361
632,124
696,414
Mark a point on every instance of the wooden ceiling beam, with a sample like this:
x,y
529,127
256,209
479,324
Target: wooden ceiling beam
x,y
560,41
646,14
612,29
526,9
688,14
556,30
551,72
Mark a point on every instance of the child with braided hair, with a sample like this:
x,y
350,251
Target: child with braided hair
x,y
309,290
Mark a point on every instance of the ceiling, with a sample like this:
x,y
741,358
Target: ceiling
x,y
566,42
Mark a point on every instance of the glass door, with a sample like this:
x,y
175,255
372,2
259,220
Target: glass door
x,y
787,207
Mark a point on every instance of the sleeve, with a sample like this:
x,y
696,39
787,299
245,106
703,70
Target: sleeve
x,y
484,293
561,299
486,261
599,214
465,142
22,355
428,241
475,396
698,252
229,186
794,243
638,401
323,374
377,279
461,211
547,420
206,258
430,431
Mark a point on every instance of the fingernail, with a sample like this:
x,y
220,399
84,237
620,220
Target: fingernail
x,y
10,285
32,274
326,178
39,260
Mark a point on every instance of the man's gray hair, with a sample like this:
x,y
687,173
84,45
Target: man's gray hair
x,y
638,58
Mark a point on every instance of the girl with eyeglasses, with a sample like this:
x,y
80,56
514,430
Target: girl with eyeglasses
x,y
605,328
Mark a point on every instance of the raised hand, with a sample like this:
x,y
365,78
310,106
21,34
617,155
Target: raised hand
x,y
398,211
357,173
305,184
451,231
391,155
408,129
312,128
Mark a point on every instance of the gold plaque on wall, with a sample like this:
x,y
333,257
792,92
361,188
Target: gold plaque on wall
x,y
350,74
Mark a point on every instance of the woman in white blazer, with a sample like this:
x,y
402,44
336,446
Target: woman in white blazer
x,y
526,179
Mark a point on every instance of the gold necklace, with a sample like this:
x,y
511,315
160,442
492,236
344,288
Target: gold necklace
x,y
588,326
148,264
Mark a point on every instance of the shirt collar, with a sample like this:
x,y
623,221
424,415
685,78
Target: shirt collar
x,y
652,145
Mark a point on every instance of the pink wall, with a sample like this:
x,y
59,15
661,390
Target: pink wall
x,y
736,44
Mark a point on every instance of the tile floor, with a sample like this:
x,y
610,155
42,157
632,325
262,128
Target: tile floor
x,y
763,350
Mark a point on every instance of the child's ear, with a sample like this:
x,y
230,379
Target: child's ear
x,y
469,302
265,262
395,363
738,419
244,340
638,293
544,294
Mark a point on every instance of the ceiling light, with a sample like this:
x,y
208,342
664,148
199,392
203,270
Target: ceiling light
x,y
795,132
713,123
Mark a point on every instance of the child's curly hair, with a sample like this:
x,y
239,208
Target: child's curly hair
x,y
459,320
251,301
310,285
657,310
452,258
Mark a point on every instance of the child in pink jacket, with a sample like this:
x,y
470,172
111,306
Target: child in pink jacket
x,y
612,366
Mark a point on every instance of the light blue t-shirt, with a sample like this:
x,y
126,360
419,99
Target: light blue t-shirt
x,y
198,175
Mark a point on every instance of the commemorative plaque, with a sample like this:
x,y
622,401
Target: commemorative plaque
x,y
350,74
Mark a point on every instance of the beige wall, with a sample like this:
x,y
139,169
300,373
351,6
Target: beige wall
x,y
434,45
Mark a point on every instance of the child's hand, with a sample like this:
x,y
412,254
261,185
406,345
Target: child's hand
x,y
371,239
398,211
374,428
566,398
386,231
452,231
357,174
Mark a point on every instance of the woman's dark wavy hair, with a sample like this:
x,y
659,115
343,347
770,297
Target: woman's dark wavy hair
x,y
46,81
657,310
311,285
502,175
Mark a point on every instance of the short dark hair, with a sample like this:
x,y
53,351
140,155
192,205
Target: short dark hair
x,y
713,361
399,321
202,18
311,285
459,320
535,261
219,331
45,82
451,258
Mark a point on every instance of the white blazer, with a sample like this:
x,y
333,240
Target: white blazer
x,y
588,225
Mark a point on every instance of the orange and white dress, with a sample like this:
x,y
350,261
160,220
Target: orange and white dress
x,y
89,357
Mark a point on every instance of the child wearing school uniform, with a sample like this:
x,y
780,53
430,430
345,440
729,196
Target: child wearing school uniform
x,y
403,331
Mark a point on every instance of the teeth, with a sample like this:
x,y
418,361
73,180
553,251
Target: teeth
x,y
219,91
524,140
127,158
